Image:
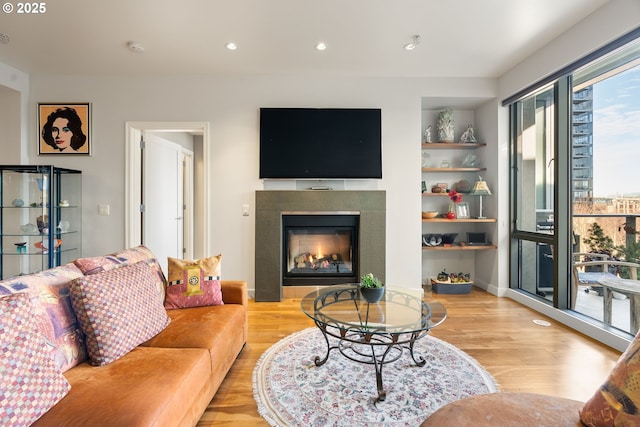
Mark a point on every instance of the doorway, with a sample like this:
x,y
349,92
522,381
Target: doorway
x,y
137,179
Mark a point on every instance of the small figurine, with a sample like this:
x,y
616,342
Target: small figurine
x,y
427,134
468,135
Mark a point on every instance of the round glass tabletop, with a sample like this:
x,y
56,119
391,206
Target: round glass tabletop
x,y
400,311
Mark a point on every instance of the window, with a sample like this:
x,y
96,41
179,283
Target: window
x,y
606,177
575,183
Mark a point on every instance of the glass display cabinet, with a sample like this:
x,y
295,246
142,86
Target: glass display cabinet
x,y
40,218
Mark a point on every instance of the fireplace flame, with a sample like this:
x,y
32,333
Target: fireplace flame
x,y
319,255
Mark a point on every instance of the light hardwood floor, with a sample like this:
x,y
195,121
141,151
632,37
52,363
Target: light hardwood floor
x,y
498,332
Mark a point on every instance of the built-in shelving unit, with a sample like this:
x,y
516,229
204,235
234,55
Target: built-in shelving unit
x,y
458,256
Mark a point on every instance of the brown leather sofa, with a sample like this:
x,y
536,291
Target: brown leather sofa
x,y
167,381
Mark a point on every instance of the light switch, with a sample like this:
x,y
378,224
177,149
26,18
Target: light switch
x,y
104,209
245,210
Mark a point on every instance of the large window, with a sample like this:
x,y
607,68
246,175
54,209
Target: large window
x,y
606,180
533,126
576,186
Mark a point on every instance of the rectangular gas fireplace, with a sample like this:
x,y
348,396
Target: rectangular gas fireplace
x,y
333,260
320,249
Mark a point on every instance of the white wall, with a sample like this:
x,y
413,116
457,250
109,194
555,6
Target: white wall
x,y
231,106
606,24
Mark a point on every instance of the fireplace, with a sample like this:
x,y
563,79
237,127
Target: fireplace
x,y
319,249
272,205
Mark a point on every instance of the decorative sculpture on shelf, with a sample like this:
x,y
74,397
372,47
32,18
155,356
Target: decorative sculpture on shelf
x,y
445,126
427,134
468,136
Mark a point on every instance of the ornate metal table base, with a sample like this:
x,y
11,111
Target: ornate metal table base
x,y
374,334
372,349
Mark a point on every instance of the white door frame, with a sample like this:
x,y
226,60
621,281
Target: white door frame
x,y
133,182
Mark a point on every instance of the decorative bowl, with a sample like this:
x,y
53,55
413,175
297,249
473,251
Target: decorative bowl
x,y
449,238
429,214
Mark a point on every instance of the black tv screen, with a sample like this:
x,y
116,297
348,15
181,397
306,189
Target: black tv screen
x,y
320,143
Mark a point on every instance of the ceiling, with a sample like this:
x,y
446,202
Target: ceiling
x,y
460,38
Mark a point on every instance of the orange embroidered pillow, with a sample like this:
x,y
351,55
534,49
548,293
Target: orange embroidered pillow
x,y
617,401
193,283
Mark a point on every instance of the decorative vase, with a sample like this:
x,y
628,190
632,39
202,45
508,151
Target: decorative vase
x,y
451,214
446,126
372,295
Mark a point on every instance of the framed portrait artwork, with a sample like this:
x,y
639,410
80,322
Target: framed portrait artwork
x,y
64,128
462,210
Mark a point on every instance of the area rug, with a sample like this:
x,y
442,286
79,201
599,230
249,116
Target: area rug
x,y
292,391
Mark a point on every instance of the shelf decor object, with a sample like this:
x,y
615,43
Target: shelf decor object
x,y
455,198
481,189
446,126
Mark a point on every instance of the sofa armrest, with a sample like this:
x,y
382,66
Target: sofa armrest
x,y
234,292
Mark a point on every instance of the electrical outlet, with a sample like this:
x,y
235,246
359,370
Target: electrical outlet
x,y
104,209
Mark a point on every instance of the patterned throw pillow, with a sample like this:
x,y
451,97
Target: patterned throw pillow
x,y
118,310
30,383
193,283
617,401
49,292
100,264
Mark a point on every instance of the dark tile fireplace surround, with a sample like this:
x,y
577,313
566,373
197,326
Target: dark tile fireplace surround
x,y
270,206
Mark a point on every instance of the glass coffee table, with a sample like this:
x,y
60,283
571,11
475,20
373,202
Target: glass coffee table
x,y
374,334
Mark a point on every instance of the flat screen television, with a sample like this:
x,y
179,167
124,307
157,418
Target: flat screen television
x,y
320,143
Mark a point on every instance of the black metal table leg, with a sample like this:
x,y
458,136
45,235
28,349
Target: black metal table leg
x,y
317,360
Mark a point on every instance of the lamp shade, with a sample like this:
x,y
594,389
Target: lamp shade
x,y
480,188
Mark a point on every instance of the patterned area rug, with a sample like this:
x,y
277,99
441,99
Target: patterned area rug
x,y
291,391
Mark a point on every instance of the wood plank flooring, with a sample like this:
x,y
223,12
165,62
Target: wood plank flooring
x,y
498,332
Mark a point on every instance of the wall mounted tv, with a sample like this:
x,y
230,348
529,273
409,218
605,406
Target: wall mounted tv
x,y
320,143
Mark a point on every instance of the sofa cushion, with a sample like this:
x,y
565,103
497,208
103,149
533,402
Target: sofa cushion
x,y
123,258
30,382
193,283
207,328
617,400
146,387
49,291
118,310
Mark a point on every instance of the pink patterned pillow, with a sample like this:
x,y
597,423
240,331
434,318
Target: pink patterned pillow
x,y
118,310
193,283
30,383
100,264
49,292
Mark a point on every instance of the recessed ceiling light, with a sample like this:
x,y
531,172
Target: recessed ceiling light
x,y
321,46
415,41
135,47
231,46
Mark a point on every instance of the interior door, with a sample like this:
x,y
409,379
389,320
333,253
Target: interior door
x,y
162,195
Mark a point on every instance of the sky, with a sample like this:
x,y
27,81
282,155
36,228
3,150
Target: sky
x,y
616,135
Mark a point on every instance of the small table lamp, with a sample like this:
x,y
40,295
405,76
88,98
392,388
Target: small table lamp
x,y
480,188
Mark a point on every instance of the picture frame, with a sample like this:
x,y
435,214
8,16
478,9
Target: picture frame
x,y
462,210
64,128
